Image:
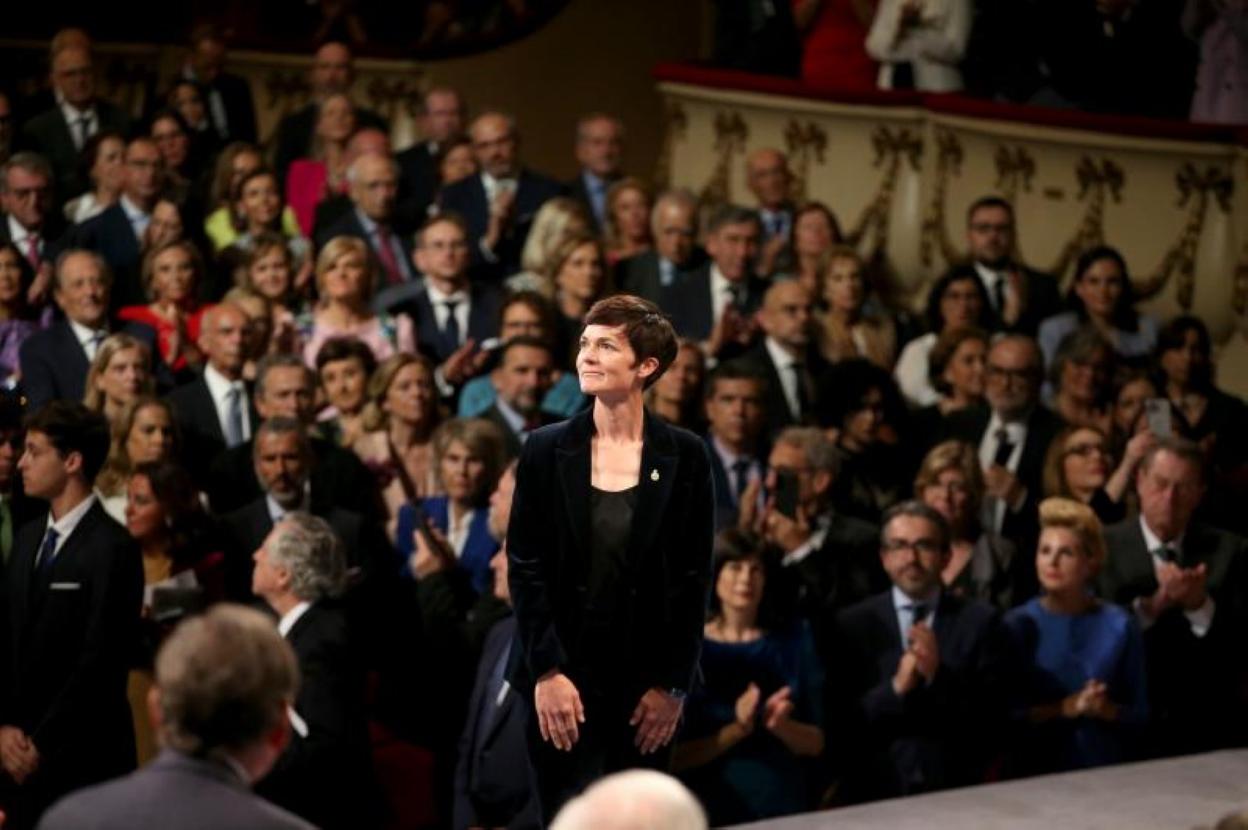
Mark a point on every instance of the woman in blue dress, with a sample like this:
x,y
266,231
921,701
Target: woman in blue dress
x,y
754,726
1082,693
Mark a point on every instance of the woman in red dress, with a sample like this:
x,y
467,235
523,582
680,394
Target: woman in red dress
x,y
834,35
172,273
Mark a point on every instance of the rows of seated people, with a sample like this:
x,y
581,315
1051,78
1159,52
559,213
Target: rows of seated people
x,y
995,538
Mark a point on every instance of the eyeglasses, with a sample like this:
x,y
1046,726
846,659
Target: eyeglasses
x,y
923,547
1087,450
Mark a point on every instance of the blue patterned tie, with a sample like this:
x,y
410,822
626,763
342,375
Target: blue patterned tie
x,y
47,553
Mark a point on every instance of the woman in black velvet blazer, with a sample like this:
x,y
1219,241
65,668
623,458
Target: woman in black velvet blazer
x,y
605,693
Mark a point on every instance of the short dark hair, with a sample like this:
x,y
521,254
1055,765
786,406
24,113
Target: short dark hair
x,y
731,215
270,362
649,332
943,350
1184,448
933,315
1173,335
989,202
345,348
448,217
524,340
1125,316
91,150
736,545
917,509
733,370
71,427
535,302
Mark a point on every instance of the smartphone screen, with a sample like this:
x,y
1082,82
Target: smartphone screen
x,y
1157,411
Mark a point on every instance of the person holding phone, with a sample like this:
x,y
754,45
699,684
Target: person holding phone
x,y
609,547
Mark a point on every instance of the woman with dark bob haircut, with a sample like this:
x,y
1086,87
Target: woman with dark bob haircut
x,y
610,551
957,300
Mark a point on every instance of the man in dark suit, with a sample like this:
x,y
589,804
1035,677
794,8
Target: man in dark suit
x,y
521,382
1188,586
373,182
73,596
441,120
657,273
286,388
330,210
227,97
499,203
29,219
1021,298
736,412
448,311
599,152
214,410
768,177
1013,433
715,304
117,234
786,357
333,72
16,508
223,682
299,570
920,669
59,133
55,361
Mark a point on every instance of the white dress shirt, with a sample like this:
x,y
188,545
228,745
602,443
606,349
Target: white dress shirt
x,y
139,220
20,236
784,363
219,388
991,279
1199,619
1017,432
721,294
89,338
287,622
66,525
437,299
74,116
903,607
457,529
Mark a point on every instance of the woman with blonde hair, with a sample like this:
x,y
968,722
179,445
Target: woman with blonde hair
x,y
172,275
555,221
1080,466
627,229
145,431
120,373
844,329
1082,691
345,278
575,279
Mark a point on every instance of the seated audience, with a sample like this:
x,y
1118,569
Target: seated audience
x,y
626,232
268,270
756,718
421,166
815,233
120,373
956,301
656,273
182,162
230,109
187,99
16,320
103,159
1131,389
29,220
258,210
310,180
559,218
343,367
1101,297
983,565
844,330
736,419
224,681
1079,379
146,431
1081,697
956,372
576,279
1079,466
676,396
236,161
920,45
769,179
521,381
599,153
1019,299
173,274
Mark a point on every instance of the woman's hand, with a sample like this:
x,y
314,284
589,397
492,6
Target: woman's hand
x,y
432,552
559,709
1090,701
747,708
778,709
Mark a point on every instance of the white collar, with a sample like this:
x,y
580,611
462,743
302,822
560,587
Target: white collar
x,y
276,511
65,525
779,354
727,456
291,617
987,275
902,600
436,296
492,184
85,334
719,283
1152,541
218,384
513,418
72,113
18,233
1015,429
133,212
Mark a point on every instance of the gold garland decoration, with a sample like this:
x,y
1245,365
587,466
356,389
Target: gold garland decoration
x,y
388,97
286,89
675,126
803,142
1015,169
731,134
892,148
934,232
1195,187
1096,179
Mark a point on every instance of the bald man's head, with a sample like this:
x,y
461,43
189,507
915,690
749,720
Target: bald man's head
x,y
495,143
767,174
786,315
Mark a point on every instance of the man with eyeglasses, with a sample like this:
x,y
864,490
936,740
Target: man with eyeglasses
x,y
1013,433
1020,297
29,219
920,671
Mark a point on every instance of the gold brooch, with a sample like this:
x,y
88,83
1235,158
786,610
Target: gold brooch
x,y
654,475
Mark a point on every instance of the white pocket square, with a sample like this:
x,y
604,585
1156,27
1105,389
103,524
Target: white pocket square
x,y
65,586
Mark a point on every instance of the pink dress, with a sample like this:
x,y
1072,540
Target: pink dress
x,y
305,188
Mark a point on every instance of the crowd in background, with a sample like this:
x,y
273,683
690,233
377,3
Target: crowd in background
x,y
994,537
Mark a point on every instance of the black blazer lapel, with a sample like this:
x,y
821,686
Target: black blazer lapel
x,y
572,456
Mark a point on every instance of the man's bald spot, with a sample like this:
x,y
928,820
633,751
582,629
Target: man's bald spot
x,y
213,315
367,141
334,52
765,157
492,121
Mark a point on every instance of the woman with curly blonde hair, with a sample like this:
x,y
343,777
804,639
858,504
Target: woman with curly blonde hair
x,y
120,372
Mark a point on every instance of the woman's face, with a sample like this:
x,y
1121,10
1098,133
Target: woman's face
x,y
520,319
463,473
606,362
681,380
632,214
189,104
1085,379
110,165
812,233
843,288
344,382
1085,462
173,276
1099,288
961,304
863,424
124,377
151,436
260,203
457,164
345,279
1130,403
1181,365
965,371
950,496
1061,562
243,165
410,396
172,141
739,586
145,517
270,274
337,119
166,224
10,278
581,274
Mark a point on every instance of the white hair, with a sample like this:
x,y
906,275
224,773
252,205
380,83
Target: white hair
x,y
637,799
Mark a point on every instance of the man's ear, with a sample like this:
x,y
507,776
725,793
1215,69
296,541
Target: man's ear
x,y
73,462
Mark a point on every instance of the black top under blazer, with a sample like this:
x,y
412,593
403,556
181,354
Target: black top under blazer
x,y
669,556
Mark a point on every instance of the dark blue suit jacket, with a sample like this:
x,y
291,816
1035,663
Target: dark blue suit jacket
x,y
726,507
467,198
111,236
485,306
691,310
478,549
54,366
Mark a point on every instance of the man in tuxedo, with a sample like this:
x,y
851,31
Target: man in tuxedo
x,y
716,303
657,273
286,388
920,669
830,561
333,72
768,177
214,410
1021,298
1013,433
223,683
448,311
373,182
521,381
117,234
735,415
59,133
30,220
786,357
55,361
226,97
499,203
599,152
73,596
299,571
1187,583
441,119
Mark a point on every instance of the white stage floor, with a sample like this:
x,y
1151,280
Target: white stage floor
x,y
1173,794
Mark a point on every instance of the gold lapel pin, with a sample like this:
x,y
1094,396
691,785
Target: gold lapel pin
x,y
654,475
